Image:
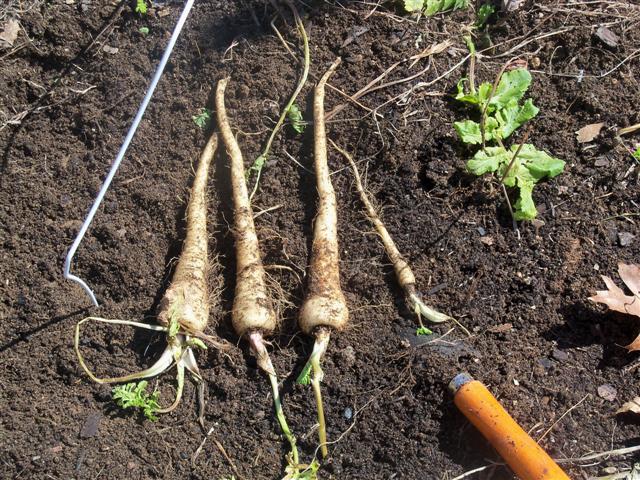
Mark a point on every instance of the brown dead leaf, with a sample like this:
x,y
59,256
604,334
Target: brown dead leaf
x,y
589,132
615,298
9,33
633,406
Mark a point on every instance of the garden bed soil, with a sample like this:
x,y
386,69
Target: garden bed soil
x,y
536,341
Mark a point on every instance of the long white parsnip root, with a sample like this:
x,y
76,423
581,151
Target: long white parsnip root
x,y
404,274
184,308
324,308
253,315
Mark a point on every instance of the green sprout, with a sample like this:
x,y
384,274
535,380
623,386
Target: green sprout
x,y
134,395
295,117
423,331
636,154
141,7
202,118
484,12
501,113
305,375
144,30
431,7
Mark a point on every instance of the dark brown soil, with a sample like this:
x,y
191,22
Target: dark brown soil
x,y
386,398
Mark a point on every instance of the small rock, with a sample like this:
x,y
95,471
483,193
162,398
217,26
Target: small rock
x,y
625,238
602,162
610,470
608,392
91,424
545,363
109,49
482,231
560,355
607,36
488,240
348,413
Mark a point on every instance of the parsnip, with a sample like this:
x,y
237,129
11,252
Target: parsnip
x,y
404,274
253,314
325,308
184,309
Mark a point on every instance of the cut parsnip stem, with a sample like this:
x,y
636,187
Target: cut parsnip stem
x,y
184,308
404,274
252,315
325,307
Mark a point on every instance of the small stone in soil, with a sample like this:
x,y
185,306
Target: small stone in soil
x,y
546,363
608,392
348,413
91,425
560,355
625,238
482,231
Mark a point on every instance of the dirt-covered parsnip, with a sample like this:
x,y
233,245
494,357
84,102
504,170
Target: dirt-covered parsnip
x,y
324,308
253,314
403,271
184,309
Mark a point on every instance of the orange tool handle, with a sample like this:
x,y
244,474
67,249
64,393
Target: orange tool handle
x,y
525,457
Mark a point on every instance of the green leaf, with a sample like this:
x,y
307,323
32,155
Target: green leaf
x,y
511,87
413,5
422,331
538,162
513,116
488,160
436,6
468,131
141,7
524,207
202,118
305,375
636,154
134,395
256,167
295,117
144,30
197,343
484,12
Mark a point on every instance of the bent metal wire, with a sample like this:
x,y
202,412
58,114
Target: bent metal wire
x,y
123,149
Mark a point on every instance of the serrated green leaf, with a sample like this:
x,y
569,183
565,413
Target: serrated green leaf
x,y
512,86
202,118
413,5
513,116
488,160
484,12
141,7
132,395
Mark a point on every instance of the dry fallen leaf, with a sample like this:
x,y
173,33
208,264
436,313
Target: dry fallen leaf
x,y
9,33
589,132
615,298
633,406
